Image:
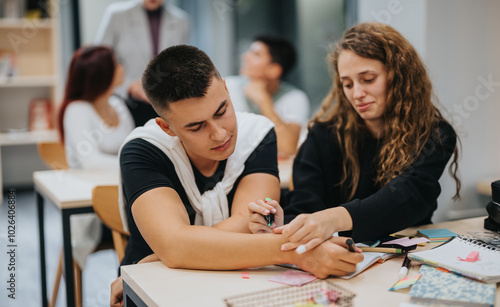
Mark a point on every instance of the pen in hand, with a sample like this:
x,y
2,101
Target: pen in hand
x,y
270,217
404,268
350,245
349,242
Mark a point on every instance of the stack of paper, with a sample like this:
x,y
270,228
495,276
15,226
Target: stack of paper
x,y
436,235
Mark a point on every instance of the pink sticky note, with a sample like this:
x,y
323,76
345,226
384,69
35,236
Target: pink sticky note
x,y
245,275
471,257
293,278
407,241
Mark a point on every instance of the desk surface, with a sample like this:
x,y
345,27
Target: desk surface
x,y
72,188
158,285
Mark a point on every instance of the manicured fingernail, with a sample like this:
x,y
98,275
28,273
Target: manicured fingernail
x,y
268,199
301,249
273,211
267,211
282,247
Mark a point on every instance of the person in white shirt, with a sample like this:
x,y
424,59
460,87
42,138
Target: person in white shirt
x,y
260,89
93,125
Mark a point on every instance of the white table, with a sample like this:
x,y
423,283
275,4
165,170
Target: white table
x,y
71,192
153,284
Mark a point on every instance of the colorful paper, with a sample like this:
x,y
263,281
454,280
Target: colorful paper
x,y
407,241
293,278
405,282
437,235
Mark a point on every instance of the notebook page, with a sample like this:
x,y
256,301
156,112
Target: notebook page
x,y
370,258
449,256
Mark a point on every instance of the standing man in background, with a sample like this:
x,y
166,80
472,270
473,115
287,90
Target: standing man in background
x,y
260,89
138,30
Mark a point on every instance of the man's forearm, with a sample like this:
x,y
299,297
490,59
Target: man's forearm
x,y
208,248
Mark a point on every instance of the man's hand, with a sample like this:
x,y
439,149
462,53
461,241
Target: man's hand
x,y
256,92
257,210
116,299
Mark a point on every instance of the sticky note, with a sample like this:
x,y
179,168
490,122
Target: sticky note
x,y
293,278
405,282
472,257
407,241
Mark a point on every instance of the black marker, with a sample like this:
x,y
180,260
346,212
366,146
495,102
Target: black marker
x,y
270,217
350,245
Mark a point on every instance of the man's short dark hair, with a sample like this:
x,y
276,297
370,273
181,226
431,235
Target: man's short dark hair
x,y
177,73
282,51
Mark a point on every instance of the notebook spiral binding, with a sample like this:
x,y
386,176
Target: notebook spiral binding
x,y
479,243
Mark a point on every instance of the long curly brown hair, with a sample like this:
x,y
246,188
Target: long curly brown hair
x,y
411,117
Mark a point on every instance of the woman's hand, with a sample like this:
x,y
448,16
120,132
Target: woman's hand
x,y
257,222
307,231
329,258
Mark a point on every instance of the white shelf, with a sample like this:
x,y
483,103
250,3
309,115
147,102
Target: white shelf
x,y
28,81
28,137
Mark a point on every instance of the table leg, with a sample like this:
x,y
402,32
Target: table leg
x,y
68,259
41,233
130,298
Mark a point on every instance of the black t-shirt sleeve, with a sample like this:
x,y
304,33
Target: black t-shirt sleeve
x,y
144,167
264,159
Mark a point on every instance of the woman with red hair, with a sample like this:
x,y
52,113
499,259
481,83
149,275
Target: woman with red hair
x,y
92,122
92,125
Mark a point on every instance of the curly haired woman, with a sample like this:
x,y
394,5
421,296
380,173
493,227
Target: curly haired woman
x,y
375,150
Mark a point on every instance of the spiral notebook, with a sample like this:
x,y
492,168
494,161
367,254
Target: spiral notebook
x,y
452,255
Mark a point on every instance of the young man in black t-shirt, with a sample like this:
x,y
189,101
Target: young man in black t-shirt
x,y
200,164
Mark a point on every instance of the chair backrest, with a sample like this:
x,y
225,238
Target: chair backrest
x,y
106,206
53,155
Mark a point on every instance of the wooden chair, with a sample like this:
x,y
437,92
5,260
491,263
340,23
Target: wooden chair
x,y
106,206
54,156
